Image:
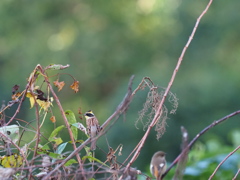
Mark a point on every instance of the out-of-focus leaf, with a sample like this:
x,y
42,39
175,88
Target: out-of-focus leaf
x,y
70,162
53,119
72,119
91,159
80,126
55,155
58,141
14,160
59,85
11,131
31,98
55,133
61,148
235,137
57,67
15,88
75,86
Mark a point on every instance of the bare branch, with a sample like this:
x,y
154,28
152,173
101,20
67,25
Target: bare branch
x,y
231,153
199,135
122,107
183,160
158,113
235,177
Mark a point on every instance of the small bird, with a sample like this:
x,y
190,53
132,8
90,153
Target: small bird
x,y
93,127
158,164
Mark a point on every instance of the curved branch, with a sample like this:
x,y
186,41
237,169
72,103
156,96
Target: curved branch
x,y
231,153
159,110
198,135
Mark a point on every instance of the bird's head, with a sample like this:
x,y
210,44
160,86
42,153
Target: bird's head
x,y
89,114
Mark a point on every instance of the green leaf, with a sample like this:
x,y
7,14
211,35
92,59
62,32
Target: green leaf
x,y
55,133
70,162
91,159
58,141
61,148
55,155
72,119
46,147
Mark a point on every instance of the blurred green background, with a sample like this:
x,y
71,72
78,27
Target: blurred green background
x,y
105,42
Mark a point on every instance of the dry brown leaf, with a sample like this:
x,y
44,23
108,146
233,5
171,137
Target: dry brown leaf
x,y
58,84
53,119
75,86
16,96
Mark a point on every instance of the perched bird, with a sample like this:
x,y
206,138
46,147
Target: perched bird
x,y
93,127
158,164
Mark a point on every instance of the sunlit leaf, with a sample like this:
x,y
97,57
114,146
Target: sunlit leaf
x,y
75,86
58,140
44,104
31,98
11,161
72,119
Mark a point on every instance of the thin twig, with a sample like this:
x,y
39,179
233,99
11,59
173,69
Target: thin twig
x,y
62,113
121,108
181,166
14,144
235,177
159,110
231,153
199,135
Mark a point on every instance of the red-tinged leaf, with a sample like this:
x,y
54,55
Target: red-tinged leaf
x,y
75,86
58,84
53,119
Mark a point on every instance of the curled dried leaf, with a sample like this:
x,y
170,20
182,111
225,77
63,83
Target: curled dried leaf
x,y
75,86
15,88
53,119
59,85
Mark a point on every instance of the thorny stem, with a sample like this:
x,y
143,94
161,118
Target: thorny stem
x,y
157,114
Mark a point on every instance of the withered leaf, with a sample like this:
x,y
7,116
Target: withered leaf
x,y
16,96
40,95
58,84
53,119
15,88
75,86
